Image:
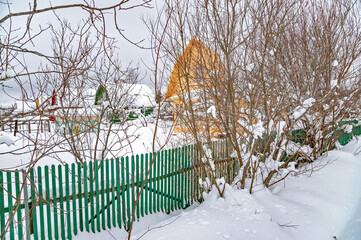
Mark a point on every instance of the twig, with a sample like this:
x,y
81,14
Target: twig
x,y
150,229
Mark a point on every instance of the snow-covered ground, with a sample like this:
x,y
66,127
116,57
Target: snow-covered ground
x,y
135,137
324,205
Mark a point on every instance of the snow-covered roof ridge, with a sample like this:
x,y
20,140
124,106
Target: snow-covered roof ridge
x,y
138,95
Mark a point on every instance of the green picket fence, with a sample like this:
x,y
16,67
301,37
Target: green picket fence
x,y
58,202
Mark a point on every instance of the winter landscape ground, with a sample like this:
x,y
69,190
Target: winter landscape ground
x,y
324,203
321,205
248,113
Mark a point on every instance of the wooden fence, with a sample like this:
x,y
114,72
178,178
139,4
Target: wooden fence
x,y
56,202
26,126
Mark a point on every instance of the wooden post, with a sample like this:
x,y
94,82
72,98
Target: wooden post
x,y
16,127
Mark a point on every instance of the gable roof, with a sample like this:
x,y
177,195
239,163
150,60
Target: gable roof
x,y
195,54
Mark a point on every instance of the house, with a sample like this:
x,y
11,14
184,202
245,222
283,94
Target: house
x,y
129,99
81,109
197,82
194,70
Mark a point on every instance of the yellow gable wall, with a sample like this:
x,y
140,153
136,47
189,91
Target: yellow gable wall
x,y
183,77
183,80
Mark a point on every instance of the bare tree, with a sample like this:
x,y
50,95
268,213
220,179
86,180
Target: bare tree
x,y
278,68
66,65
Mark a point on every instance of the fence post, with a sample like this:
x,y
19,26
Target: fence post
x,y
26,203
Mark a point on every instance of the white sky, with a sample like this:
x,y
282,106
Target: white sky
x,y
129,20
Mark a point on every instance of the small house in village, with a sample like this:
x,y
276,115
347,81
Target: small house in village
x,y
133,100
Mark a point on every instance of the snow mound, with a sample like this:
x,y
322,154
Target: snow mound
x,y
6,140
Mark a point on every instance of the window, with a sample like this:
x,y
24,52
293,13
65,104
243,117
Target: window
x,y
200,74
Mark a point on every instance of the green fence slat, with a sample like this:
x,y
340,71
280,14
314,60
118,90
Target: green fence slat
x,y
187,175
123,193
86,197
80,199
161,174
171,171
107,187
2,204
193,178
146,187
159,190
97,201
117,180
128,191
190,178
61,202
41,209
113,189
18,197
33,205
180,178
141,184
10,205
102,180
26,204
91,191
132,180
48,200
169,178
178,185
137,185
154,182
73,188
182,168
150,187
67,193
175,176
55,208
176,188
166,183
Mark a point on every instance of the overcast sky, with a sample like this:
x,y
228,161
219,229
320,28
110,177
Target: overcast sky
x,y
129,20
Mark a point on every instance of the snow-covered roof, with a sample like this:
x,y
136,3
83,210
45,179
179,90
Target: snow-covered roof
x,y
132,95
25,106
140,95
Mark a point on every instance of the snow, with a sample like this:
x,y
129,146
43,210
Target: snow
x,y
131,138
141,95
212,110
308,102
4,139
321,205
334,63
300,110
249,68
